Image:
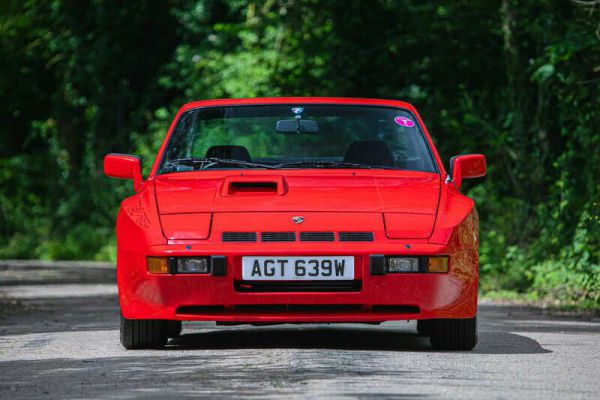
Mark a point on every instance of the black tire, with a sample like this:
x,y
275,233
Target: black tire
x,y
143,333
173,328
424,327
454,334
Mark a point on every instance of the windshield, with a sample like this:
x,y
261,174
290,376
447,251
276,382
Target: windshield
x,y
297,137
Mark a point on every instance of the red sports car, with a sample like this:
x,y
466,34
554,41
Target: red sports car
x,y
297,210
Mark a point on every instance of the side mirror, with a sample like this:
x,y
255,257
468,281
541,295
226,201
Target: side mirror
x,y
123,166
466,167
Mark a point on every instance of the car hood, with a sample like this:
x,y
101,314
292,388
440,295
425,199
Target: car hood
x,y
336,191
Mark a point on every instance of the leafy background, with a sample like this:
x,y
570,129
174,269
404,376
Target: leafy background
x,y
517,80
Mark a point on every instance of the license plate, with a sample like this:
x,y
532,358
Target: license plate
x,y
320,268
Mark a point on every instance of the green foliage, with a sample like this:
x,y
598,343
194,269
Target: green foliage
x,y
515,80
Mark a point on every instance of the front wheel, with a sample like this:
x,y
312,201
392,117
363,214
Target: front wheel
x,y
143,333
424,327
174,328
453,334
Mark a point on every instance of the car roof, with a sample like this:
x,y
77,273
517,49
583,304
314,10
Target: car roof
x,y
294,101
297,100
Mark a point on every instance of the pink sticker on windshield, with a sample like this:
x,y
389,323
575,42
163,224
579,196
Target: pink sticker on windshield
x,y
405,122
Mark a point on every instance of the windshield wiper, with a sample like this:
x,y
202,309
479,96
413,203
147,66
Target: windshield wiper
x,y
207,162
203,163
327,164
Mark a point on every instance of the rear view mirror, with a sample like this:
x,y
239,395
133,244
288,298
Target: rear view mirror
x,y
297,126
123,166
467,166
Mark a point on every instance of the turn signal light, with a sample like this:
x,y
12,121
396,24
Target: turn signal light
x,y
158,265
438,264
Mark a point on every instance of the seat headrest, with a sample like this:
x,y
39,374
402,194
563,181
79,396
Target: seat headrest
x,y
229,152
369,152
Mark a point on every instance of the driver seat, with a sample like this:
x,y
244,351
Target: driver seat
x,y
239,153
369,152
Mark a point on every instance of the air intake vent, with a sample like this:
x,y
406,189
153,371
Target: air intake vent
x,y
278,237
238,237
317,236
398,309
252,187
298,286
356,236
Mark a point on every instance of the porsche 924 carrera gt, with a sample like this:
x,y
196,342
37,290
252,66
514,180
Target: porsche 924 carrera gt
x,y
297,210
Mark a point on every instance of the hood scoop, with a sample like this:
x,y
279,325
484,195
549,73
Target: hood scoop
x,y
253,186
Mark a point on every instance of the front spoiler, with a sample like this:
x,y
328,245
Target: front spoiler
x,y
147,296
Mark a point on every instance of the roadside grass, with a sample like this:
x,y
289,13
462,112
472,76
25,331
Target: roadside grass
x,y
554,306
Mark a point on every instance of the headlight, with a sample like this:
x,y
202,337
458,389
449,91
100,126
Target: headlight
x,y
381,264
402,264
214,265
192,266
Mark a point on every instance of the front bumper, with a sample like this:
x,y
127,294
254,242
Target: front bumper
x,y
380,298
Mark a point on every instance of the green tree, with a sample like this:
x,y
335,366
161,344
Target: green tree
x,y
513,79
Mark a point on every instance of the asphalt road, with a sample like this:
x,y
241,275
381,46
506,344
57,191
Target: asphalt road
x,y
59,339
